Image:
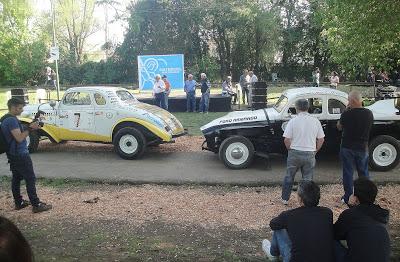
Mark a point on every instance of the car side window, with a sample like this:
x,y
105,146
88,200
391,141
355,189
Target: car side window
x,y
100,100
315,105
335,106
77,98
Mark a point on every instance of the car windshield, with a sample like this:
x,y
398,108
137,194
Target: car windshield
x,y
281,103
125,96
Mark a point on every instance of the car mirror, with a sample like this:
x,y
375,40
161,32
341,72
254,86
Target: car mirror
x,y
52,103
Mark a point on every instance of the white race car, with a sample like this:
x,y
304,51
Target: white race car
x,y
240,135
106,115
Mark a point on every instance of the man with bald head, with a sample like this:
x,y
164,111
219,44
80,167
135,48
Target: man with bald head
x,y
355,124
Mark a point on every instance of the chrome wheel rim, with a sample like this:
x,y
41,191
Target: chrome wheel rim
x,y
128,144
237,153
384,154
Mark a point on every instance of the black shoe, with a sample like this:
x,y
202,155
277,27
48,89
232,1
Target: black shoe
x,y
22,204
41,207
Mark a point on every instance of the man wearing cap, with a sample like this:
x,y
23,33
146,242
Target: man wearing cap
x,y
303,138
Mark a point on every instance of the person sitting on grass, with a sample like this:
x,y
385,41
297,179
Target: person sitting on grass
x,y
363,226
227,89
304,233
13,245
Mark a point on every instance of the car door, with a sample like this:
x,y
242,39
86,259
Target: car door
x,y
77,116
104,116
336,106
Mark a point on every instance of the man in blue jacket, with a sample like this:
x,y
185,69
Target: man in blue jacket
x,y
19,158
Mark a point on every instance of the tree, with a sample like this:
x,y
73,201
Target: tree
x,y
363,33
22,51
75,22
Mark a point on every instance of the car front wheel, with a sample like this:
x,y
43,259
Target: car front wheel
x,y
129,143
384,153
236,152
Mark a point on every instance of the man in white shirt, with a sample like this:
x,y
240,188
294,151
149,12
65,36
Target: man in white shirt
x,y
159,92
304,137
253,79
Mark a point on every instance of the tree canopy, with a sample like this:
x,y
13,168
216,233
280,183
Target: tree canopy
x,y
219,37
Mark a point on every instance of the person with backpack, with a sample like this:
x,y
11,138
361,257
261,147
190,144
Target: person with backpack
x,y
21,167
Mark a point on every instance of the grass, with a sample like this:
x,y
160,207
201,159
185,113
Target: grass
x,y
193,121
51,182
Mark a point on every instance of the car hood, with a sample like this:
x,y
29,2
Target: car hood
x,y
384,110
242,119
169,119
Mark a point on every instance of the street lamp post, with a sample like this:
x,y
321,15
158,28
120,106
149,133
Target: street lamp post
x,y
54,44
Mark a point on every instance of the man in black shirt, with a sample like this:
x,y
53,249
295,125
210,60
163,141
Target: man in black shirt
x,y
355,123
304,233
363,226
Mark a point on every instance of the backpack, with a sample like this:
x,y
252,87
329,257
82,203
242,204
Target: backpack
x,y
3,142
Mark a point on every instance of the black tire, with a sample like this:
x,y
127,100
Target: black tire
x,y
129,134
32,140
387,153
242,143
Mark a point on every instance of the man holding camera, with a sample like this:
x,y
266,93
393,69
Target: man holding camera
x,y
19,158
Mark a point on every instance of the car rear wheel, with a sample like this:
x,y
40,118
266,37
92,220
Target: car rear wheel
x,y
236,152
129,143
384,152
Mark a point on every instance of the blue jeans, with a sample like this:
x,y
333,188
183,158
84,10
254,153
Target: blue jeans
x,y
297,160
191,101
160,100
166,101
340,251
22,169
281,245
350,159
205,98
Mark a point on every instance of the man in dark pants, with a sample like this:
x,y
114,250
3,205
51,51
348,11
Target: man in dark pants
x,y
363,226
304,233
19,158
244,82
355,123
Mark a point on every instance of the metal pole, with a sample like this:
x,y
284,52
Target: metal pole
x,y
54,44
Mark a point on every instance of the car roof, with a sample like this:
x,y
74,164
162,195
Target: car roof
x,y
294,92
95,88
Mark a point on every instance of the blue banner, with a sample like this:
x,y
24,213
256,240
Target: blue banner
x,y
151,65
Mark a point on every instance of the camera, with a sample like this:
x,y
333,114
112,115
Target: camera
x,y
37,118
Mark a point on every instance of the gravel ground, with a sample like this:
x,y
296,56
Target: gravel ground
x,y
164,223
244,208
182,144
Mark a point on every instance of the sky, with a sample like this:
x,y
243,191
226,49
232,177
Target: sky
x,y
116,29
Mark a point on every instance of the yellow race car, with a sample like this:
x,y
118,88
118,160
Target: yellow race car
x,y
105,115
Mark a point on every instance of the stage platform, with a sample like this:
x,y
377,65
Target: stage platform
x,y
218,103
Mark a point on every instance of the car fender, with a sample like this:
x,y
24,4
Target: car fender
x,y
163,134
50,130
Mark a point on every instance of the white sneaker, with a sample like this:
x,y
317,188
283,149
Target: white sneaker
x,y
285,202
266,247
